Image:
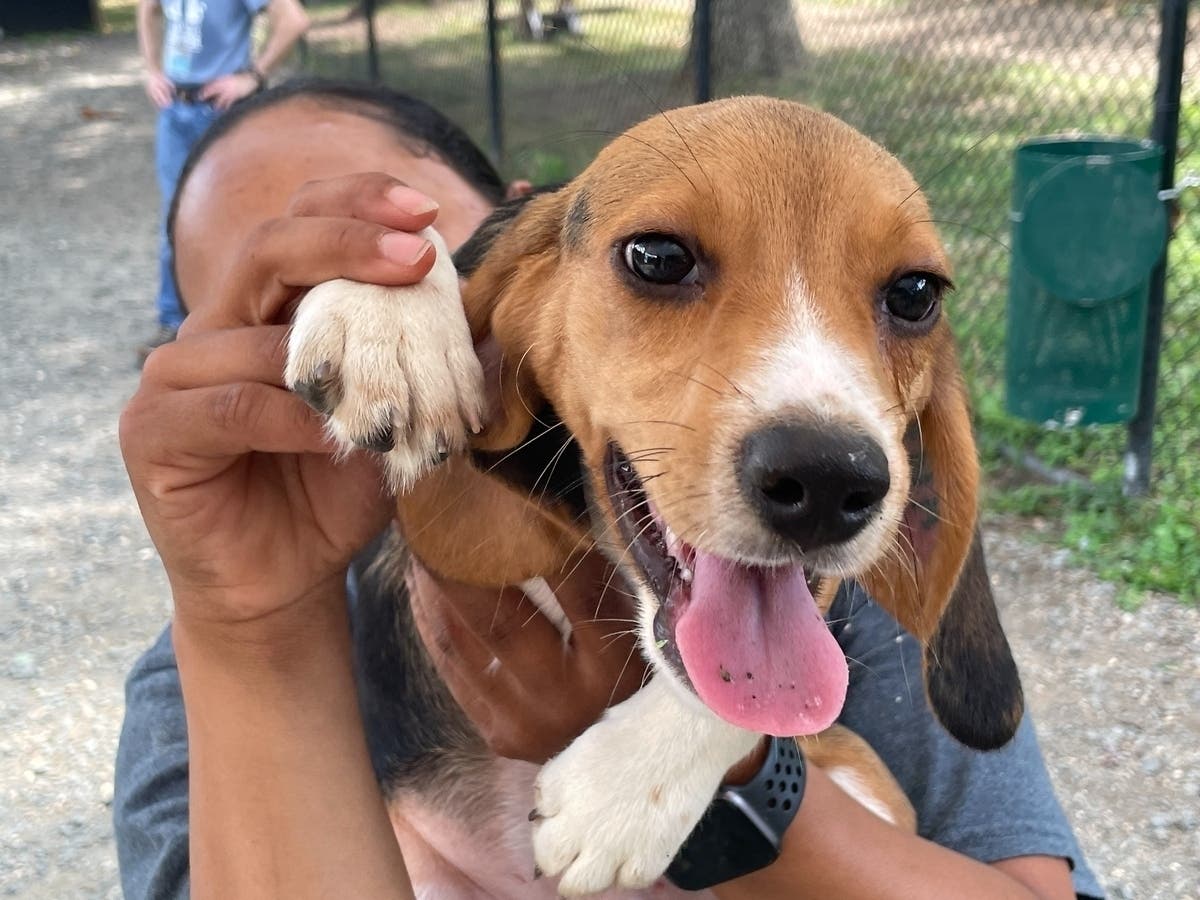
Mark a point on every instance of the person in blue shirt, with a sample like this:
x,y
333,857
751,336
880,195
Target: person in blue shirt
x,y
199,61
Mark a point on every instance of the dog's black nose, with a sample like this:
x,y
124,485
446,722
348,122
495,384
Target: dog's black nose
x,y
813,486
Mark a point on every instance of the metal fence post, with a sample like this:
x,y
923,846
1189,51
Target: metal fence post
x,y
1165,131
494,98
702,50
372,46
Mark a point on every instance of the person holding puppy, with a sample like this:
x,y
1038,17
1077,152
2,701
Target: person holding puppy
x,y
245,764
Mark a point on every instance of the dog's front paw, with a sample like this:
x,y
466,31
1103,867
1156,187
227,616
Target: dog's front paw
x,y
393,368
613,809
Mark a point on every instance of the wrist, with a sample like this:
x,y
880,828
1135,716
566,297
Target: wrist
x,y
748,767
245,626
743,828
256,72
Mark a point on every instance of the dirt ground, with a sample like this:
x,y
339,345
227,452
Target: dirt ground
x,y
1116,694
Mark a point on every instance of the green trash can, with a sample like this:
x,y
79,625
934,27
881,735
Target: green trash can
x,y
1087,230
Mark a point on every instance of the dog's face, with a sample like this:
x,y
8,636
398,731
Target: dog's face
x,y
736,312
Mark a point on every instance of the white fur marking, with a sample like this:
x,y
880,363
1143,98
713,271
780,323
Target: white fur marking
x,y
850,782
807,372
541,596
806,369
619,802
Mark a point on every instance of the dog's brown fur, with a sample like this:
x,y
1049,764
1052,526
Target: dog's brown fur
x,y
574,334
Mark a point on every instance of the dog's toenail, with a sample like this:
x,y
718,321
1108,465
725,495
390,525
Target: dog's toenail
x,y
537,873
381,441
310,392
321,392
534,815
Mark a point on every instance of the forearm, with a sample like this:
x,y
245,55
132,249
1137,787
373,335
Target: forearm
x,y
836,848
288,23
282,798
149,29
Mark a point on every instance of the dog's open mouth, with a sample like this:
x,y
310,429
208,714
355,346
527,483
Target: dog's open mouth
x,y
749,639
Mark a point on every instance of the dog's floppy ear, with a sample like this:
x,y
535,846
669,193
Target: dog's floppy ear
x,y
936,584
508,263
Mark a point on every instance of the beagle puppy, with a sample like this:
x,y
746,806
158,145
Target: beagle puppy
x,y
721,354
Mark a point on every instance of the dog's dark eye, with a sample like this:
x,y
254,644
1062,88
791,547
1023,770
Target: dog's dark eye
x,y
913,297
660,259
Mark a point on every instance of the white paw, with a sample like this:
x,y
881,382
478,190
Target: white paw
x,y
393,368
614,808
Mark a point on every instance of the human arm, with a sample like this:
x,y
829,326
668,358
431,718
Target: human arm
x,y
835,847
287,23
256,524
149,29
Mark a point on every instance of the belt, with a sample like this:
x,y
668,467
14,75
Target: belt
x,y
189,93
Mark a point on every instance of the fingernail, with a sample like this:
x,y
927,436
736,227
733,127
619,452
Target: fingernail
x,y
412,202
401,247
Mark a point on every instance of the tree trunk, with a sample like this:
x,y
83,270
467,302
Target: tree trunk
x,y
752,39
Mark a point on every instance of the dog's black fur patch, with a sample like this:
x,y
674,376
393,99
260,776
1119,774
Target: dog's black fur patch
x,y
418,736
579,217
547,466
471,254
970,675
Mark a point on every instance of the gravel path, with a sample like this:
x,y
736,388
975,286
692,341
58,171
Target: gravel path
x,y
1116,695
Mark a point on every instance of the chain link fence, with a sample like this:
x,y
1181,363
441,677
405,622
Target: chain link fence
x,y
950,86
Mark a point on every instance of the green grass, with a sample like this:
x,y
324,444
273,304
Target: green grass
x,y
118,16
955,122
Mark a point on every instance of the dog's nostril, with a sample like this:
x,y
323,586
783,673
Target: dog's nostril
x,y
784,491
859,501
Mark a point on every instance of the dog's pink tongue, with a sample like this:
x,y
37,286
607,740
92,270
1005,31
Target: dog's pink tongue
x,y
757,650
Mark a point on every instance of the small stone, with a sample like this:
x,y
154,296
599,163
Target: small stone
x,y
1151,765
1160,821
106,793
22,666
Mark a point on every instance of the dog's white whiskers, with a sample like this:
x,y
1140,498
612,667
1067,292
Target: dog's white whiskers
x,y
548,469
617,682
612,638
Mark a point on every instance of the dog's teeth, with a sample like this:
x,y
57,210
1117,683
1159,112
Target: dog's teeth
x,y
685,574
672,540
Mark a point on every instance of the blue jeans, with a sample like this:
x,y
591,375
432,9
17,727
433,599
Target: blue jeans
x,y
180,125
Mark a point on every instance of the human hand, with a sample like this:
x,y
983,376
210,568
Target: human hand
x,y
249,510
227,90
159,88
526,691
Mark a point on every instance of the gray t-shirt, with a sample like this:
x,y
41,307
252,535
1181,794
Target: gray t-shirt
x,y
988,806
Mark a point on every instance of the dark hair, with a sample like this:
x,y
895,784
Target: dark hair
x,y
417,125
